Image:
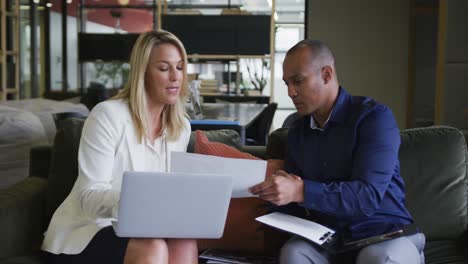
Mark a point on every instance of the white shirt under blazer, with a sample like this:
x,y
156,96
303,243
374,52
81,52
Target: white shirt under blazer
x,y
108,147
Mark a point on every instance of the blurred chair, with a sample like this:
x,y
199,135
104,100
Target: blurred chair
x,y
257,133
235,101
290,119
97,93
59,117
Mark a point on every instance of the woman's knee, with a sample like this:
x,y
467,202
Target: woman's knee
x,y
143,250
182,251
182,244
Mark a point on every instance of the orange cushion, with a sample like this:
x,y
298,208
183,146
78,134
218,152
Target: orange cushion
x,y
204,146
241,232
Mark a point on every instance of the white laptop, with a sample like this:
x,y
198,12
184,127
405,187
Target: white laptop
x,y
173,205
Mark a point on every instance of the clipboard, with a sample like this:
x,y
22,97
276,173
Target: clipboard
x,y
325,237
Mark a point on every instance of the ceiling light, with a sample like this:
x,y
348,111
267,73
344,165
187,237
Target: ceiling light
x,y
123,2
69,1
49,5
36,1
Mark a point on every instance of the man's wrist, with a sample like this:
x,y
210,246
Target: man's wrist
x,y
300,193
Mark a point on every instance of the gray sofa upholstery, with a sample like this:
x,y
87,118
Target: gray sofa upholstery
x,y
19,132
25,124
433,164
44,108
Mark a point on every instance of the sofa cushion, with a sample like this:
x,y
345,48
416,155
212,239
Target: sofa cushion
x,y
446,251
30,259
226,136
465,134
22,220
433,165
277,143
19,132
64,168
44,108
204,146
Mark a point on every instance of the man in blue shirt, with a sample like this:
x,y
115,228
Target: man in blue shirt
x,y
341,164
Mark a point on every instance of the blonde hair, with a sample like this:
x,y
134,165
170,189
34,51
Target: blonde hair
x,y
135,93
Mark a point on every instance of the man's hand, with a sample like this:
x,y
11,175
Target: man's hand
x,y
281,188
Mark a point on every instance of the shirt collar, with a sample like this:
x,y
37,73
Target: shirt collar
x,y
338,111
341,106
314,124
162,137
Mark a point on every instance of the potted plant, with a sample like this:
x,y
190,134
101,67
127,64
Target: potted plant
x,y
113,74
258,74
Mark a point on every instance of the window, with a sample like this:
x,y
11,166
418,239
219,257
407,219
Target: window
x,y
289,30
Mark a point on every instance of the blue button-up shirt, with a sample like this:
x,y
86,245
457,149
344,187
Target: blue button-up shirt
x,y
350,168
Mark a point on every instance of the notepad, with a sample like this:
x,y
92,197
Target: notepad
x,y
325,237
315,232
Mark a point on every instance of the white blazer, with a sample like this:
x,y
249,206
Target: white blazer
x,y
108,147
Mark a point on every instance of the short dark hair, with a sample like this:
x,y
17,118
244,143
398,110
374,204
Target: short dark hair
x,y
317,48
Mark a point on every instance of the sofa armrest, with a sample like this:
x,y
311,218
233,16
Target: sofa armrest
x,y
257,151
22,217
39,161
277,142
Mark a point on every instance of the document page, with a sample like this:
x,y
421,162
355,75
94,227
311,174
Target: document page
x,y
315,232
245,173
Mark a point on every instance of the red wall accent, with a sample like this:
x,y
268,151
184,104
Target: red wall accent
x,y
131,20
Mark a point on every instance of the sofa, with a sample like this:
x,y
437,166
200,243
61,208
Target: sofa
x,y
433,164
44,110
25,124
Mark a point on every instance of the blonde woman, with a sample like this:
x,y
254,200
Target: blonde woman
x,y
136,130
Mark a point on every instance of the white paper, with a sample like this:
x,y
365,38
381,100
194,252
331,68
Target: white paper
x,y
316,233
245,173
